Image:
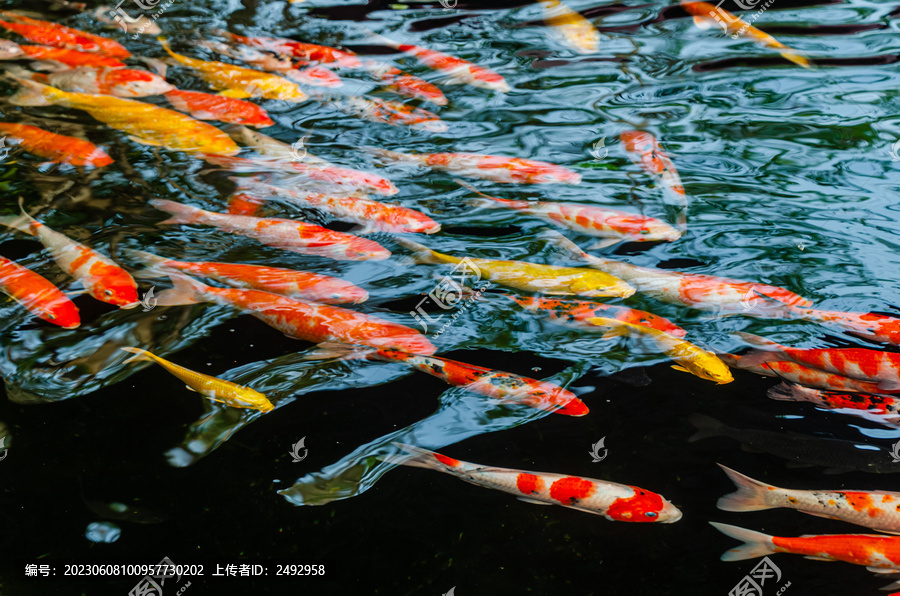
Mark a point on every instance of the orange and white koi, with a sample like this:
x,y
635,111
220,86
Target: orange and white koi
x,y
883,409
706,14
306,52
101,277
611,225
573,29
120,82
315,75
61,57
37,294
330,176
614,501
645,151
52,34
145,122
694,290
301,319
209,106
383,111
239,82
405,84
287,282
879,553
220,390
575,313
504,386
496,168
287,234
531,277
55,147
857,363
881,328
456,70
804,375
370,214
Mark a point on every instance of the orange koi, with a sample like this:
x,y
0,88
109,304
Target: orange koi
x,y
386,112
69,58
871,326
883,409
645,151
306,52
614,501
57,148
317,76
51,34
804,375
573,29
243,204
209,106
406,84
496,168
101,277
497,384
287,234
300,319
37,294
287,282
120,82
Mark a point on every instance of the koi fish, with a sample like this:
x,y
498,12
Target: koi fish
x,y
883,409
118,19
208,106
614,501
694,290
37,294
226,392
287,234
317,76
145,123
804,375
101,277
266,145
120,82
287,282
497,384
10,50
531,277
239,82
880,554
456,70
405,84
857,363
386,112
331,176
690,358
706,14
371,215
575,31
612,225
507,170
57,148
307,52
243,204
66,58
881,328
51,34
575,313
645,151
300,319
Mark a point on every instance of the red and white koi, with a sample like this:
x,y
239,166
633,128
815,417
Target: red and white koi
x,y
306,52
316,75
883,409
382,111
120,82
55,147
881,328
403,83
287,234
645,151
51,34
37,294
496,168
210,106
804,375
614,501
57,57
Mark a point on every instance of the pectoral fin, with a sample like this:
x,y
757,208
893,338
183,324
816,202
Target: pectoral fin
x,y
603,243
533,501
145,141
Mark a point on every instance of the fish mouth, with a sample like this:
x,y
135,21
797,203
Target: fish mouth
x,y
130,305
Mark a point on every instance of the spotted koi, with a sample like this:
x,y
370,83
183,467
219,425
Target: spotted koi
x,y
67,58
306,52
382,111
803,375
120,82
883,409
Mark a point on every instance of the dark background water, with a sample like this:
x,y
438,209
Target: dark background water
x,y
792,183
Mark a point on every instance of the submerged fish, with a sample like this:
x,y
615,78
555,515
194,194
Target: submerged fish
x,y
531,277
62,57
287,234
614,501
101,277
878,510
869,325
406,84
55,147
574,30
52,34
611,225
706,14
883,409
497,384
226,392
120,82
10,50
145,122
645,150
301,319
307,52
497,168
804,375
318,76
269,147
37,294
209,106
382,111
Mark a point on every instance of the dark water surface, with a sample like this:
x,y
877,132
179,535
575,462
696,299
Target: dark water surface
x,y
792,183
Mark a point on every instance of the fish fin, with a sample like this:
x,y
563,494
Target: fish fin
x,y
73,293
186,291
706,426
750,496
812,558
418,457
889,385
882,570
139,354
31,93
756,544
153,262
755,340
703,22
797,58
339,351
565,245
234,94
145,141
757,357
21,223
604,243
379,39
181,214
533,501
784,392
681,368
155,64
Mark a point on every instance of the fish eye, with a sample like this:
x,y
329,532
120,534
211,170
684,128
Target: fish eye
x,y
651,514
51,316
108,292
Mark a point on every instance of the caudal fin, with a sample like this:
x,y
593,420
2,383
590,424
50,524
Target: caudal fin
x,y
21,223
756,544
706,426
155,264
770,351
181,213
750,495
187,290
418,458
139,354
787,392
32,93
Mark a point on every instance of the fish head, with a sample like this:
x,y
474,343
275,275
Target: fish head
x,y
643,506
132,82
9,50
637,141
658,232
710,368
431,125
63,313
597,283
122,293
573,407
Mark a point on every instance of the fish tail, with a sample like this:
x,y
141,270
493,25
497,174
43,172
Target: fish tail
x,y
756,544
418,458
32,93
21,222
165,45
186,291
750,495
706,426
489,201
770,351
566,245
786,392
155,264
181,214
421,253
797,58
388,154
381,39
139,354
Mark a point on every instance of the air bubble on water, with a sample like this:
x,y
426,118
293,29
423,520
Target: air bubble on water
x,y
103,532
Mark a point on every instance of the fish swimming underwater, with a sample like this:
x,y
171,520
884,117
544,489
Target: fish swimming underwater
x,y
226,392
37,294
119,82
883,409
804,375
614,501
209,106
382,111
307,52
52,34
405,84
55,147
645,150
59,58
573,29
872,326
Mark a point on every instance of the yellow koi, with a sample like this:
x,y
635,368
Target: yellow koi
x,y
226,392
574,30
531,277
690,358
239,82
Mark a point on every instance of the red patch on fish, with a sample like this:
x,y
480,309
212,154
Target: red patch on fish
x,y
529,483
447,461
636,508
571,489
